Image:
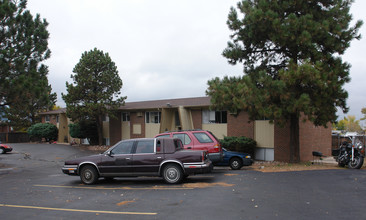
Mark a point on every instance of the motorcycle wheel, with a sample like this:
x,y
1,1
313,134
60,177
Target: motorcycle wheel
x,y
356,163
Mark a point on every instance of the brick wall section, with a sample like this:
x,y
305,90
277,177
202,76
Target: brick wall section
x,y
314,138
197,118
115,129
282,143
240,125
134,119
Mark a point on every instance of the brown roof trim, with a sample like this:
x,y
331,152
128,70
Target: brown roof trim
x,y
155,104
54,112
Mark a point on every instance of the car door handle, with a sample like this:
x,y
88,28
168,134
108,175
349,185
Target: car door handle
x,y
128,158
189,147
158,157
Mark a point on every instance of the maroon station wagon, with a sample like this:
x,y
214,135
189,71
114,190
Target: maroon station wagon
x,y
163,157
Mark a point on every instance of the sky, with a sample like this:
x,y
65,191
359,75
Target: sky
x,y
163,49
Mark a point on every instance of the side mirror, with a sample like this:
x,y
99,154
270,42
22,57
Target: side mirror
x,y
110,153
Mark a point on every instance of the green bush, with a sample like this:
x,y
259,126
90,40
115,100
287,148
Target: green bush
x,y
239,144
85,129
47,131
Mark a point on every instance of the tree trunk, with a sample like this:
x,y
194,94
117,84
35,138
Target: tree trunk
x,y
294,139
100,129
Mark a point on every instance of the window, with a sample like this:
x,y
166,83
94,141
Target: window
x,y
57,119
47,118
152,117
203,138
183,137
125,116
145,146
164,136
158,147
123,148
219,117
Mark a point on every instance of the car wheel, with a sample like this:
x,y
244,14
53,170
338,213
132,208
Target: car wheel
x,y
88,175
172,173
2,151
236,163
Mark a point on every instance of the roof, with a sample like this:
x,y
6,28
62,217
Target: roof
x,y
54,112
154,104
185,102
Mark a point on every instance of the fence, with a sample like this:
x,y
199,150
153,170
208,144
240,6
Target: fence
x,y
16,137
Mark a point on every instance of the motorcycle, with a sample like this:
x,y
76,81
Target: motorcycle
x,y
349,153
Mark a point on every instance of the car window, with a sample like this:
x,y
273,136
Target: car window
x,y
163,136
145,146
183,137
203,138
123,147
178,144
158,146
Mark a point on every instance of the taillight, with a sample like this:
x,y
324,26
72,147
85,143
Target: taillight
x,y
217,148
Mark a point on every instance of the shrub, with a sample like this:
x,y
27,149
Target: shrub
x,y
239,144
85,129
47,131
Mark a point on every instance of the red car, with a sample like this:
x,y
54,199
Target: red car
x,y
198,140
5,148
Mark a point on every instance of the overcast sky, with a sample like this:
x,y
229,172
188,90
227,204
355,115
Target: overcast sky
x,y
162,48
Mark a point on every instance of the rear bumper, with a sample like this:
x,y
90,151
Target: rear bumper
x,y
198,168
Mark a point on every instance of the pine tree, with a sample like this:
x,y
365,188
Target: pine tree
x,y
96,84
291,52
24,87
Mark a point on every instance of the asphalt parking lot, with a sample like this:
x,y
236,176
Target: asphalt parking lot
x,y
34,187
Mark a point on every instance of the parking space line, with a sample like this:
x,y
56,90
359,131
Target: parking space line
x,y
78,210
116,188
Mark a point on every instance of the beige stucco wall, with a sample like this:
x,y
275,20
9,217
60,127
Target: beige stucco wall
x,y
219,130
185,117
151,130
264,134
63,128
105,129
126,130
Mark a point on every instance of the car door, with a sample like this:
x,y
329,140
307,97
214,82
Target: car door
x,y
147,157
118,161
186,140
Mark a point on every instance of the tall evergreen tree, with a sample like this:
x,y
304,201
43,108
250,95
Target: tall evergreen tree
x,y
24,87
291,54
95,91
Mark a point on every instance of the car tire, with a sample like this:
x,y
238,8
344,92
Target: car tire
x,y
172,174
2,151
88,175
236,163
